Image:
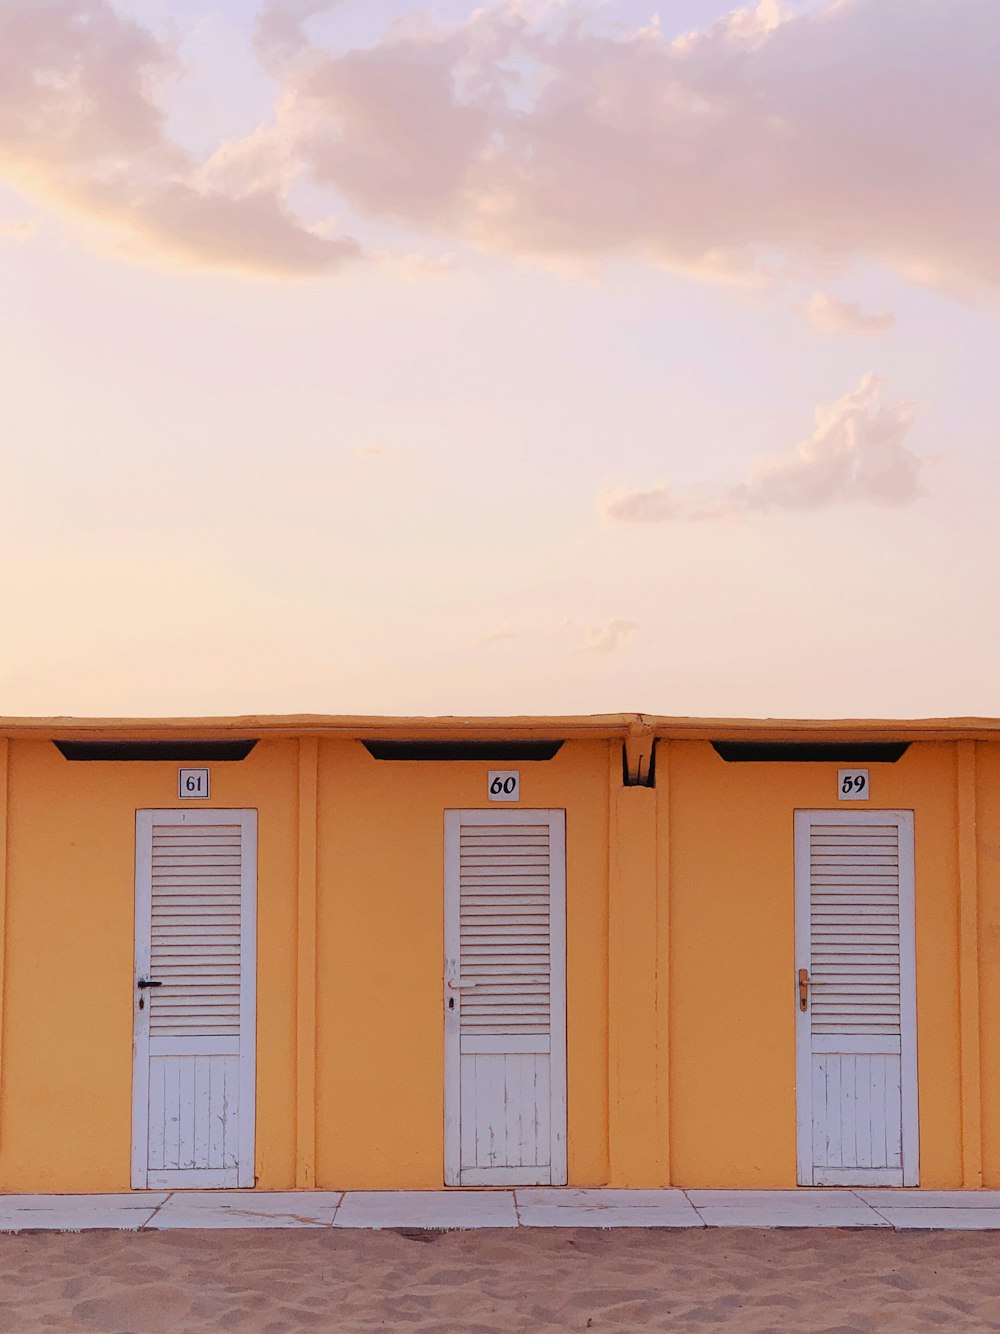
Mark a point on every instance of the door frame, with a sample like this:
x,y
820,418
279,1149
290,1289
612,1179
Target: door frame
x,y
903,819
453,821
246,1140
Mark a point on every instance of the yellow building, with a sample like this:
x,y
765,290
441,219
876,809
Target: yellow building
x,y
381,953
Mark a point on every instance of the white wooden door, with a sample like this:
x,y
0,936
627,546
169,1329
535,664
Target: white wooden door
x,y
505,998
193,1080
855,998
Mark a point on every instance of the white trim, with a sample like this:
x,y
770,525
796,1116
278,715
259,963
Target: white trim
x,y
803,1028
844,816
244,1176
804,1042
556,1173
527,1044
859,1176
202,1178
452,1016
206,1046
875,1046
248,999
216,815
557,994
908,1001
140,1018
506,1176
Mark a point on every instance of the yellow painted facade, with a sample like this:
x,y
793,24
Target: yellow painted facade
x,y
680,967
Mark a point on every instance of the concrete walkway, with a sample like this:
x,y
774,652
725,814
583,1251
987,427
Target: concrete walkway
x,y
898,1209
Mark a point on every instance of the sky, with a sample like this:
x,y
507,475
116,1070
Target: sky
x,y
534,357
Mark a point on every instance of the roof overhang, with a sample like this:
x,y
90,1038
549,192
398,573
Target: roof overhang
x,y
634,727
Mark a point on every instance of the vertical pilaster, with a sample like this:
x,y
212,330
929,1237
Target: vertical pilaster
x,y
4,820
636,1112
305,1009
663,836
968,908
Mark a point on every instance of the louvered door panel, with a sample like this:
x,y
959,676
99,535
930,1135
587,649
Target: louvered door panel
x,y
193,1110
504,930
856,1036
195,930
505,998
854,912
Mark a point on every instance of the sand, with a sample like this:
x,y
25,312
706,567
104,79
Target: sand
x,y
273,1282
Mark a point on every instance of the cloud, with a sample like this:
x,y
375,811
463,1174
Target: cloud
x,y
370,452
828,315
654,506
502,633
413,267
858,452
19,229
772,141
80,130
280,32
769,140
613,637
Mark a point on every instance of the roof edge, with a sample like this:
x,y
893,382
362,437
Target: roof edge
x,y
553,727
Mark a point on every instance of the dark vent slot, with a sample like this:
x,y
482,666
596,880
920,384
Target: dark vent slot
x,y
644,774
811,752
155,750
501,751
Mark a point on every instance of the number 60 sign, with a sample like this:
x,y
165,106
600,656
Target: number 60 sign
x,y
503,785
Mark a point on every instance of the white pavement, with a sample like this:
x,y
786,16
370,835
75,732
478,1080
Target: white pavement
x,y
536,1207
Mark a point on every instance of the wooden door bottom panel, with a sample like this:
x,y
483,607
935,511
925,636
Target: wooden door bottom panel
x,y
506,1176
195,1178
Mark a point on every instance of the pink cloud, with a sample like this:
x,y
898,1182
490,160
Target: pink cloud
x,y
857,452
829,315
656,505
613,637
866,128
19,229
504,632
81,131
280,27
768,141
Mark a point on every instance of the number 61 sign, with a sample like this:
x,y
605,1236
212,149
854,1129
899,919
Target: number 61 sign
x,y
192,783
852,785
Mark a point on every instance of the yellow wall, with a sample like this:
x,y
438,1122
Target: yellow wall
x,y
381,931
732,1012
65,1064
680,961
988,859
66,1059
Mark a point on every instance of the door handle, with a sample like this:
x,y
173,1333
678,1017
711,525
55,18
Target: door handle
x,y
145,982
803,988
456,989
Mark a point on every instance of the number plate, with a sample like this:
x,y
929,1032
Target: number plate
x,y
852,785
504,785
192,783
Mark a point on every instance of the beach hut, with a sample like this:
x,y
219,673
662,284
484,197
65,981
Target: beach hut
x,y
384,953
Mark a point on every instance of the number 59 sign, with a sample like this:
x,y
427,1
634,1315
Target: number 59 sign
x,y
852,785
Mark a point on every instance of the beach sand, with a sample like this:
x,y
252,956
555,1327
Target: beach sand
x,y
283,1282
